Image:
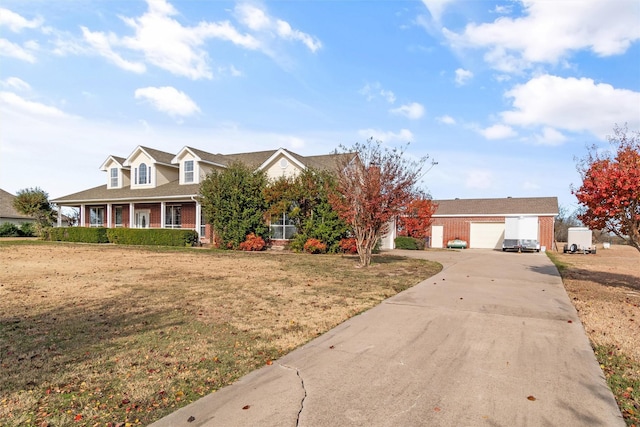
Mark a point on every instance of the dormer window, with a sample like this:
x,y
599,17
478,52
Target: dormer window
x,y
188,171
114,177
142,174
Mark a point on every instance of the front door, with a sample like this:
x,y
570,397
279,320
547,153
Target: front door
x,y
142,219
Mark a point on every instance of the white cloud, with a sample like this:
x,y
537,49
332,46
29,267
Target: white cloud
x,y
16,84
258,20
479,179
101,44
15,22
447,120
412,111
373,90
572,104
436,7
560,28
497,131
13,50
18,103
403,136
550,136
168,100
463,76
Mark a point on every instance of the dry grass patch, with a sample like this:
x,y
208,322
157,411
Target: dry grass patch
x,y
92,335
605,289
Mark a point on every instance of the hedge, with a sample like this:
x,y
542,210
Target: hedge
x,y
124,236
154,237
411,243
78,234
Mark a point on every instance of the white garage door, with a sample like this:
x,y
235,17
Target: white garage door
x,y
487,235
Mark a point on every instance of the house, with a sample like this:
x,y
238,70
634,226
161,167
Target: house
x,y
481,222
155,189
8,213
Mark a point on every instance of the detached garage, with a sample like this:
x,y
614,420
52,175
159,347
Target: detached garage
x,y
481,222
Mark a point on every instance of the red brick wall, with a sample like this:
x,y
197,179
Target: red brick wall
x,y
460,228
188,215
546,231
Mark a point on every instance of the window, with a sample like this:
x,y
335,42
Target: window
x,y
118,216
188,171
114,177
142,174
203,225
96,217
283,228
173,217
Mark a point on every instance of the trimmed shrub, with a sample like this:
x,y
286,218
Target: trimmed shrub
x,y
348,246
252,243
77,234
9,230
410,243
27,229
315,246
152,237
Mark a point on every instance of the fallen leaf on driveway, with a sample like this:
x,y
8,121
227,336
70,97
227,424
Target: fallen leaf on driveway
x,y
531,398
245,407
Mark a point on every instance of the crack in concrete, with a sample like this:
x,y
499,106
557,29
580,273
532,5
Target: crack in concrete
x,y
303,389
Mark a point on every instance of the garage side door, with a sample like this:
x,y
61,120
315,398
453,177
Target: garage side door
x,y
487,235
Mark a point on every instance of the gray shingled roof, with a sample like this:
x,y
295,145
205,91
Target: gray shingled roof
x,y
172,189
6,207
159,156
499,207
175,190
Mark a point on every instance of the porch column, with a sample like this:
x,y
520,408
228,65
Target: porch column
x,y
109,215
132,216
83,216
59,216
198,219
163,210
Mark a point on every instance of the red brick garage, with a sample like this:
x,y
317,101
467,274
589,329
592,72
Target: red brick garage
x,y
480,222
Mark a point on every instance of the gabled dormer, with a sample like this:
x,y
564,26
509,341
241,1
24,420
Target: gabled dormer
x,y
150,168
282,163
195,164
117,174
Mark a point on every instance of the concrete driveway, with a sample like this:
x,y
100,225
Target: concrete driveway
x,y
492,340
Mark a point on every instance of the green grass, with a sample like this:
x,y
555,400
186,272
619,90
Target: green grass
x,y
623,377
560,265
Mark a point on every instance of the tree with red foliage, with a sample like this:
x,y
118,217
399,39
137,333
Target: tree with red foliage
x,y
417,217
373,188
610,190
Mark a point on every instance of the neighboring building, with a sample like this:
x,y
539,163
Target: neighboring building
x,y
481,222
8,213
156,189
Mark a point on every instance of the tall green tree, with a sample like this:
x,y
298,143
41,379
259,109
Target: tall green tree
x,y
233,203
34,202
305,201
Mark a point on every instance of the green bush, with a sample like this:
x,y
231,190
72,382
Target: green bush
x,y
410,243
77,234
153,237
9,230
27,229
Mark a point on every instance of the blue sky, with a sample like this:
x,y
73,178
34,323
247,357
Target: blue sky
x,y
502,94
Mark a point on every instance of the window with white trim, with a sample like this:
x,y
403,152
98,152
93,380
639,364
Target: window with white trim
x,y
114,177
282,228
173,216
188,171
96,216
118,216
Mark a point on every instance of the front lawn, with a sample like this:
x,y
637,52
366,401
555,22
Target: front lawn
x,y
100,334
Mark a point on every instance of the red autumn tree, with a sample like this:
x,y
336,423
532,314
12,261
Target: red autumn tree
x,y
610,190
416,218
374,187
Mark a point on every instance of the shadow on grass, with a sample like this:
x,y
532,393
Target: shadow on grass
x,y
35,349
605,278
